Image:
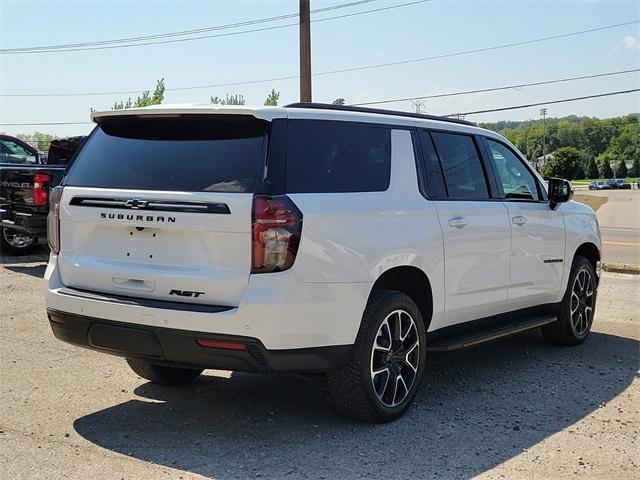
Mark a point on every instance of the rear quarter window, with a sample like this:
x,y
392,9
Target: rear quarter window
x,y
221,154
331,157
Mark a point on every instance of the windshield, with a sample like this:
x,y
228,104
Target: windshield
x,y
210,154
13,152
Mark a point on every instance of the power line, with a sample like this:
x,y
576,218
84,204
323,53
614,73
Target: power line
x,y
201,37
183,32
549,102
42,123
495,89
485,49
331,72
514,107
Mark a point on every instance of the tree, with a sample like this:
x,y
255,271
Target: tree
x,y
619,136
339,101
591,168
272,98
605,167
38,140
147,98
635,168
564,163
236,99
621,171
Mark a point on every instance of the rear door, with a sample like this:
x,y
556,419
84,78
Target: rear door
x,y
537,231
160,208
475,227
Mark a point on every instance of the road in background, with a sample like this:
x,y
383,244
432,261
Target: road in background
x,y
619,220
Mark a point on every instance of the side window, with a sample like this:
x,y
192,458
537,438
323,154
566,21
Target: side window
x,y
328,157
461,166
432,168
516,180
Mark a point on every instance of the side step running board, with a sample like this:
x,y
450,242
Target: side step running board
x,y
475,338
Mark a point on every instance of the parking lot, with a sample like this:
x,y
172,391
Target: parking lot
x,y
517,408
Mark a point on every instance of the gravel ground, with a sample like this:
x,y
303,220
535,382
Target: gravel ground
x,y
517,408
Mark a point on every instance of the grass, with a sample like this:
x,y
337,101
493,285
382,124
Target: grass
x,y
591,200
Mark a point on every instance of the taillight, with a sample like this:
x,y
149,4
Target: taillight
x,y
53,220
40,184
276,226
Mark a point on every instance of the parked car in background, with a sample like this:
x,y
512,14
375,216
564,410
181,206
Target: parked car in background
x,y
25,183
622,184
599,186
618,183
311,237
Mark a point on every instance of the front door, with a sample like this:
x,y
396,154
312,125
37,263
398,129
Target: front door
x,y
537,232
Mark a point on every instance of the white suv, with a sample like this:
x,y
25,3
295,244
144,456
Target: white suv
x,y
312,237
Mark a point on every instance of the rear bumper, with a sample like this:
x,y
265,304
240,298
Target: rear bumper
x,y
278,310
168,346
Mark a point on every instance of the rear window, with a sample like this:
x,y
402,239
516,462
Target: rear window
x,y
221,154
337,157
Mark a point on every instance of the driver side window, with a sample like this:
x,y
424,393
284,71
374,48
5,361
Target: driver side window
x,y
518,183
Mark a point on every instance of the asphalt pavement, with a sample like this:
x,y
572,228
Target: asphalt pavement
x,y
517,408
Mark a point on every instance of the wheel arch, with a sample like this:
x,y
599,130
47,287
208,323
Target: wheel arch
x,y
411,281
589,251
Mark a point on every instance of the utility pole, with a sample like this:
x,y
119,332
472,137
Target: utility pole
x,y
417,105
305,51
543,112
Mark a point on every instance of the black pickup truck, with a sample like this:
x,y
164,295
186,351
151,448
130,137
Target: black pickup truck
x,y
25,182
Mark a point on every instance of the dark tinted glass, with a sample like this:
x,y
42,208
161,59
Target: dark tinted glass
x,y
182,154
435,179
463,173
334,157
516,179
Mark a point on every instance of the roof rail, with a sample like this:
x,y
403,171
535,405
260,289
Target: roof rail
x,y
379,111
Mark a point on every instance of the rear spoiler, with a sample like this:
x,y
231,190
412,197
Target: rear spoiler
x,y
172,111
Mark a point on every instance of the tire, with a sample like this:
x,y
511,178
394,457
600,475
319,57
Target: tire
x,y
358,392
576,311
14,242
162,374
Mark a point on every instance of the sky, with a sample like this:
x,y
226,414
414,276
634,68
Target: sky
x,y
424,29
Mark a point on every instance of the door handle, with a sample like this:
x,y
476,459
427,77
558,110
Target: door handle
x,y
458,222
519,220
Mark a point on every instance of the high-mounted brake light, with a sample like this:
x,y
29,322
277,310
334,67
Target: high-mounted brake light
x,y
276,227
53,220
40,186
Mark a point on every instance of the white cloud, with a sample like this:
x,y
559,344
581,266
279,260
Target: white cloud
x,y
631,42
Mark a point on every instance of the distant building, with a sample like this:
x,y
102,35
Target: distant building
x,y
541,161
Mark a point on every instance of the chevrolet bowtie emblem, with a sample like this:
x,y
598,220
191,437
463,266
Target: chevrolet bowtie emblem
x,y
136,203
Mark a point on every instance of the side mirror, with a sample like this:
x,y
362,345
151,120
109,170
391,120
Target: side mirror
x,y
560,191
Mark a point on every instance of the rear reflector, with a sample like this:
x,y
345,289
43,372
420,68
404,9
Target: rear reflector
x,y
203,342
56,319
